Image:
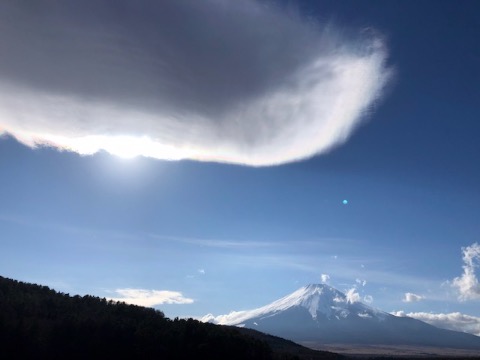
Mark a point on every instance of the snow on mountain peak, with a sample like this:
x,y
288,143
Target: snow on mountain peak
x,y
316,298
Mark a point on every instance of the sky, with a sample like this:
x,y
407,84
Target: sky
x,y
210,156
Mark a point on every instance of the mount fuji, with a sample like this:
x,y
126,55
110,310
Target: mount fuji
x,y
320,314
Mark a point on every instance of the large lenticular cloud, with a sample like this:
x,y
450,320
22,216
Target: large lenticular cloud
x,y
229,81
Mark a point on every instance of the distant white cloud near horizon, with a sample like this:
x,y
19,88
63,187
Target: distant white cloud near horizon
x,y
150,298
452,321
241,82
467,284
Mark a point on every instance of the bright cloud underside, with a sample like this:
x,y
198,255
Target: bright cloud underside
x,y
241,82
149,298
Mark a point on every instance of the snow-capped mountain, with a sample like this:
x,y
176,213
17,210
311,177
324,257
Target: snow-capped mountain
x,y
321,314
321,301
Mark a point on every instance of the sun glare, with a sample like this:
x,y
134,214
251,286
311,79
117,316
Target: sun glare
x,y
130,147
127,147
124,147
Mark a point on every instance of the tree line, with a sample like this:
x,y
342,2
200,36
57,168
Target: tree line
x,y
37,322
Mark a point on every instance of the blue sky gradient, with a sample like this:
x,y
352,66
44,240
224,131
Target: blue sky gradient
x,y
234,237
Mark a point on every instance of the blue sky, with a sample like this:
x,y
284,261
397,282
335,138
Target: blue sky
x,y
384,114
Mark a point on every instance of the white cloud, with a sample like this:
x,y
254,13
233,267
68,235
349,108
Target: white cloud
x,y
368,299
399,313
209,318
352,295
361,282
411,297
233,318
201,271
452,321
467,284
325,278
150,298
214,80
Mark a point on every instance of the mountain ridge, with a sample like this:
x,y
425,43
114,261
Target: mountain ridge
x,y
316,298
37,322
321,314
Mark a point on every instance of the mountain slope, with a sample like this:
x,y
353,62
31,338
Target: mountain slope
x,y
324,315
37,322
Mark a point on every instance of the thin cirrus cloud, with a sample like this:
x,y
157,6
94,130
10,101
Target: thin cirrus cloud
x,y
215,243
452,321
241,82
149,298
467,284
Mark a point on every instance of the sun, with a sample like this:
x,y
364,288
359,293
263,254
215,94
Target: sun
x,y
123,146
126,147
130,147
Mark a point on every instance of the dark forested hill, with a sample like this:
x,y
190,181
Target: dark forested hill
x,y
37,322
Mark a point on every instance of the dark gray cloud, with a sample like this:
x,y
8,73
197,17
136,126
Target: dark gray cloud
x,y
244,82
